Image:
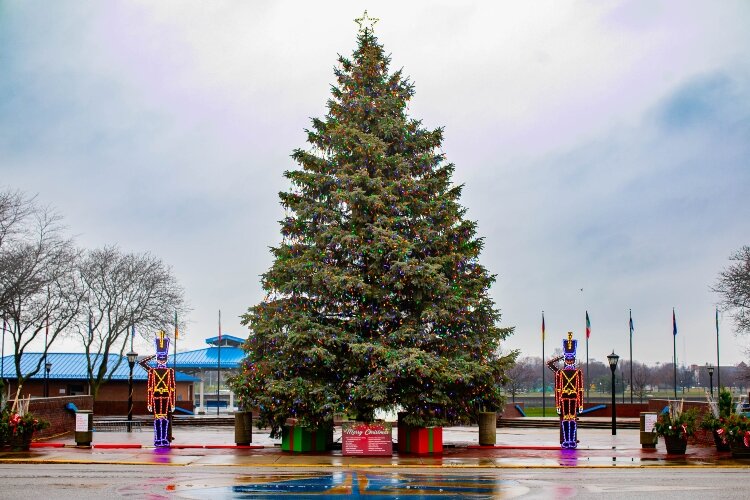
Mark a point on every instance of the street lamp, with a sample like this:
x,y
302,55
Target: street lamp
x,y
710,369
132,357
613,359
47,368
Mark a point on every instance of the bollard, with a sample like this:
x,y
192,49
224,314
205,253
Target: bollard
x,y
649,438
243,428
487,428
84,427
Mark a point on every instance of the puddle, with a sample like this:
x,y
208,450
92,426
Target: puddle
x,y
357,483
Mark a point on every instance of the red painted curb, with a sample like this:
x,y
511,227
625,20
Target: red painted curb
x,y
232,446
110,446
48,445
498,447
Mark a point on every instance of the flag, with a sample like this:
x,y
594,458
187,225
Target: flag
x,y
588,326
674,323
542,327
219,326
176,331
631,323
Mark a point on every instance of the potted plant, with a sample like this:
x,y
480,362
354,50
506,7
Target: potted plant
x,y
21,428
735,431
712,421
676,425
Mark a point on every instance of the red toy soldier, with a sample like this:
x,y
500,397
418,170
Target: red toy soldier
x,y
161,392
568,392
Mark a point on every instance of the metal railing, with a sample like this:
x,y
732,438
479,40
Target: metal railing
x,y
117,425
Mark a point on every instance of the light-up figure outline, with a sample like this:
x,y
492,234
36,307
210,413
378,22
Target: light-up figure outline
x,y
161,394
568,392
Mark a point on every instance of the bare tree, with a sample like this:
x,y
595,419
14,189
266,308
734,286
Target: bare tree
x,y
37,281
733,286
522,376
15,209
123,290
641,376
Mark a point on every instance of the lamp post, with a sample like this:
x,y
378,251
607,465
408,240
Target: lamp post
x,y
47,368
613,359
710,370
132,357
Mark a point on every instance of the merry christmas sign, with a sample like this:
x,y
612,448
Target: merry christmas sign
x,y
366,439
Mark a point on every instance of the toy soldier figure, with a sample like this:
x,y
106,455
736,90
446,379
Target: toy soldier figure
x,y
568,392
161,392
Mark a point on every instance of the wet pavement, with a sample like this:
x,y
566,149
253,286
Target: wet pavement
x,y
516,448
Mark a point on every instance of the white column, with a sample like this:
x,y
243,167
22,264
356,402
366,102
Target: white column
x,y
202,407
231,401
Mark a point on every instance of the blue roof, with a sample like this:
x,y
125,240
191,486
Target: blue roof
x,y
209,358
226,340
72,366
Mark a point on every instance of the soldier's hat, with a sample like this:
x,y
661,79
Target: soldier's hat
x,y
570,346
161,342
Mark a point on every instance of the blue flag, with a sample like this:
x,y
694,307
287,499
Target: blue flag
x,y
674,323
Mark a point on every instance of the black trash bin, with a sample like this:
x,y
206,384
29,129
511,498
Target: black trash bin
x,y
84,427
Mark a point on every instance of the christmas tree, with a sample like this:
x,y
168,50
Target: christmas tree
x,y
376,298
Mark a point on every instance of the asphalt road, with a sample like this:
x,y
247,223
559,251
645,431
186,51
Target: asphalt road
x,y
60,482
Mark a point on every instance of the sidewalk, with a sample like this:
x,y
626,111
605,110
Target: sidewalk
x,y
516,447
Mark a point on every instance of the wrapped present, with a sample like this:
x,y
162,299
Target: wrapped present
x,y
420,440
301,439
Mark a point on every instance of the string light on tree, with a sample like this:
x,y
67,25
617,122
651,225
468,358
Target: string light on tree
x,y
376,297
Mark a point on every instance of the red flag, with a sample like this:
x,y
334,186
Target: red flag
x,y
588,325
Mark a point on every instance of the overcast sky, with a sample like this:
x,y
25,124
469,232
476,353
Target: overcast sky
x,y
604,145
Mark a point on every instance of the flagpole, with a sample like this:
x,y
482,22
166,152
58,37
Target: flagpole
x,y
674,345
718,365
2,356
176,334
588,380
218,367
630,327
46,346
588,332
544,402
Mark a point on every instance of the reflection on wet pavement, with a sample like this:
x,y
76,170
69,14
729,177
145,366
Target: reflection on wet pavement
x,y
357,483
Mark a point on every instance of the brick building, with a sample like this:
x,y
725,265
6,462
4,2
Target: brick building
x,y
67,377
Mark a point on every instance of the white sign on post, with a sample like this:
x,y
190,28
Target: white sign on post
x,y
82,422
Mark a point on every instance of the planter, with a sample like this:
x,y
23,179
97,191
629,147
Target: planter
x,y
20,441
487,428
720,445
675,445
739,450
302,439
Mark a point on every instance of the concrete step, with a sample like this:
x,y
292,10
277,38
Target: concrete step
x,y
552,422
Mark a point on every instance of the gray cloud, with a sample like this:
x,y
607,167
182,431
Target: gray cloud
x,y
603,147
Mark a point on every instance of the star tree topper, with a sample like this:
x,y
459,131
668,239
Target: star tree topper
x,y
366,23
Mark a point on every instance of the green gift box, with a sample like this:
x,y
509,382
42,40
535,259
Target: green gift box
x,y
302,439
